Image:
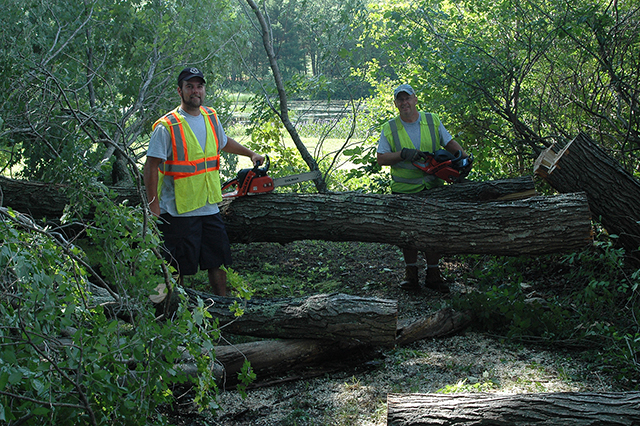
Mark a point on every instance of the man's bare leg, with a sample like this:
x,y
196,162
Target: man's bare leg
x,y
218,281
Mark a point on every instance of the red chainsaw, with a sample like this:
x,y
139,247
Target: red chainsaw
x,y
446,166
257,181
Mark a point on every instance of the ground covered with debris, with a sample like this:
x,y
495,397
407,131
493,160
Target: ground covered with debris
x,y
470,361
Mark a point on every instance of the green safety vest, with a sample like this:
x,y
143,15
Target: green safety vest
x,y
195,172
405,177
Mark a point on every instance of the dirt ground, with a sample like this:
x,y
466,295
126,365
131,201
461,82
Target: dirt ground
x,y
356,394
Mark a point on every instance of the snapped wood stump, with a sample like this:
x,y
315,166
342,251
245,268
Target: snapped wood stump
x,y
613,193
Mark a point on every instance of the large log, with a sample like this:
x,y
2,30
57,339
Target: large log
x,y
537,225
329,317
275,357
613,193
39,200
558,409
49,200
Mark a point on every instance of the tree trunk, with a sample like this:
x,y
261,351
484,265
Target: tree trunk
x,y
613,193
538,225
332,317
40,200
558,409
269,357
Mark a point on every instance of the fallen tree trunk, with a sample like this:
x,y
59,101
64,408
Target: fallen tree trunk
x,y
40,200
613,193
537,225
558,409
269,357
332,317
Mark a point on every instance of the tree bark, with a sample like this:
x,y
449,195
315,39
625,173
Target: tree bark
x,y
538,225
443,323
40,200
333,317
269,357
558,409
613,193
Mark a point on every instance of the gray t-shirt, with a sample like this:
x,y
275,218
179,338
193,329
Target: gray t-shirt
x,y
160,147
413,130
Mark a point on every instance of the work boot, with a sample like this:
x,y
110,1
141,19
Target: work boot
x,y
434,280
410,278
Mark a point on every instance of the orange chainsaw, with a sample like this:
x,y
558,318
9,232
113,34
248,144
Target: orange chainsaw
x,y
257,181
446,166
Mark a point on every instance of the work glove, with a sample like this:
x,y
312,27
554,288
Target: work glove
x,y
411,155
464,166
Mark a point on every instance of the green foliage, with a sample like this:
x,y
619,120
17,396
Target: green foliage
x,y
66,359
598,307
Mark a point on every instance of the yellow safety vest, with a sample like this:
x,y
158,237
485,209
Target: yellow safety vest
x,y
195,172
405,177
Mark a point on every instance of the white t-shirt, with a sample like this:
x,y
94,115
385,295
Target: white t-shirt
x,y
160,147
413,130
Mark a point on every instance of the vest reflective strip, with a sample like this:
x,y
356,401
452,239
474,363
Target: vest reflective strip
x,y
178,140
200,167
432,129
216,129
394,134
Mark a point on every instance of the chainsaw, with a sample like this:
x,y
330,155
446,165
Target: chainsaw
x,y
446,166
257,181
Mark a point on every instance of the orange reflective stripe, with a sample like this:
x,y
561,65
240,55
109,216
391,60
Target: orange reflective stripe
x,y
180,169
178,140
213,125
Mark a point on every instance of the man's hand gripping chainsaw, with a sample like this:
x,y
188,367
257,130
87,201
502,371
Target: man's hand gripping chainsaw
x,y
446,166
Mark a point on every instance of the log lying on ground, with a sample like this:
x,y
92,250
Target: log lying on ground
x,y
269,357
613,193
332,317
49,200
558,409
38,199
537,225
443,323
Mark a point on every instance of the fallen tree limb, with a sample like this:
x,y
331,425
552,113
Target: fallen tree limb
x,y
332,317
274,357
537,225
443,323
558,409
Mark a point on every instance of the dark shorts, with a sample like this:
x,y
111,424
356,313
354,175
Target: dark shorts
x,y
193,241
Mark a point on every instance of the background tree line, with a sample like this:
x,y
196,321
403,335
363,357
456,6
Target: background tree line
x,y
84,81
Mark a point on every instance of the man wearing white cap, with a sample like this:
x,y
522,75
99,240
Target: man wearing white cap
x,y
402,141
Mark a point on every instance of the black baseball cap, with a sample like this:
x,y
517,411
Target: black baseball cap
x,y
188,73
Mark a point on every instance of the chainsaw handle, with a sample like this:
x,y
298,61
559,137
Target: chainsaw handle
x,y
265,167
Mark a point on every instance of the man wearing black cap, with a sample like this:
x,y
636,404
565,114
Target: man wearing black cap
x,y
183,184
402,142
